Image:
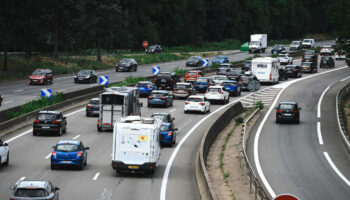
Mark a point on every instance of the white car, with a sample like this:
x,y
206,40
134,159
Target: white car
x,y
218,79
326,50
217,93
197,103
4,153
285,59
340,56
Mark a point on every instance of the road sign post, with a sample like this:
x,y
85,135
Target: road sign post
x,y
46,93
156,70
205,62
145,45
104,80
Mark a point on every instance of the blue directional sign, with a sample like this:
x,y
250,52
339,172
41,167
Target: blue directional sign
x,y
205,62
46,93
156,70
104,80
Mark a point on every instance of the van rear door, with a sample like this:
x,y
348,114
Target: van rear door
x,y
262,72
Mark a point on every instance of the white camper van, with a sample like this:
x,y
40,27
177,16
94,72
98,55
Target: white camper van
x,y
265,69
136,145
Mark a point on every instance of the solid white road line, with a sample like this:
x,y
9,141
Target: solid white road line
x,y
21,179
76,137
345,79
319,134
72,113
48,156
19,90
96,176
6,102
320,102
336,169
173,110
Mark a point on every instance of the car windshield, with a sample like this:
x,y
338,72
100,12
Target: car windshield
x,y
46,117
192,73
202,80
124,61
96,102
30,192
228,83
220,57
325,60
295,43
38,72
67,147
277,46
152,47
158,94
306,64
220,78
195,99
248,62
193,58
160,116
254,43
307,41
282,56
213,90
235,72
290,67
308,56
181,86
164,128
286,106
84,72
166,76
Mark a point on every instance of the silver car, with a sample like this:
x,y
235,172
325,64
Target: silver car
x,y
38,190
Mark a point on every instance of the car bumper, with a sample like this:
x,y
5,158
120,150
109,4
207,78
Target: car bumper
x,y
181,95
81,80
93,112
215,98
36,81
61,162
307,70
154,102
192,64
287,118
145,92
52,128
120,166
194,108
165,139
292,74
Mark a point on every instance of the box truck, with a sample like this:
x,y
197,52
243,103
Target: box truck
x,y
266,69
117,102
136,146
258,43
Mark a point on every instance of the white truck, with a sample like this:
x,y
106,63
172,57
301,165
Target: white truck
x,y
4,153
136,146
266,69
258,43
117,102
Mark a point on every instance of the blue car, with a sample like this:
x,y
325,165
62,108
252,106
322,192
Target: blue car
x,y
145,87
220,59
232,87
160,98
69,153
202,83
167,134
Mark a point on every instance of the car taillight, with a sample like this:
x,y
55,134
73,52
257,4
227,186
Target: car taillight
x,y
279,111
221,92
270,76
164,98
311,59
148,87
36,121
150,97
295,111
202,104
227,70
155,79
187,90
54,153
294,70
187,102
80,153
170,133
175,90
56,122
89,105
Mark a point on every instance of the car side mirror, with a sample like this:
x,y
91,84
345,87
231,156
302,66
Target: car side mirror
x,y
12,188
172,119
276,108
140,104
299,108
64,117
57,188
86,148
5,144
54,147
175,129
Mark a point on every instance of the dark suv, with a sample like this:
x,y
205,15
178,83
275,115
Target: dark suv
x,y
166,80
327,61
126,64
288,111
49,121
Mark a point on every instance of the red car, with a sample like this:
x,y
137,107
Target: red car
x,y
41,76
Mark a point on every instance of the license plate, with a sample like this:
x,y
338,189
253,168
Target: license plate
x,y
193,106
45,127
288,114
156,99
80,79
35,80
133,167
66,162
201,86
306,68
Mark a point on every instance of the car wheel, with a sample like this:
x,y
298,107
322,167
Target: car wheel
x,y
81,166
60,132
239,92
149,106
85,163
277,121
65,129
99,129
53,167
185,111
87,114
7,160
135,69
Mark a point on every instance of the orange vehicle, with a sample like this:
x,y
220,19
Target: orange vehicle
x,y
192,75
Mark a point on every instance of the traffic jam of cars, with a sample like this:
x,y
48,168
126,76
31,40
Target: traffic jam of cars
x,y
118,107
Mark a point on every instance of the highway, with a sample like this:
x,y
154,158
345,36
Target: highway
x,y
308,159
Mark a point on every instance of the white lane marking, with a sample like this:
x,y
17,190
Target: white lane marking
x,y
176,150
319,134
320,102
30,97
173,110
345,79
336,169
6,102
48,156
19,90
30,130
76,137
96,176
61,90
258,133
21,179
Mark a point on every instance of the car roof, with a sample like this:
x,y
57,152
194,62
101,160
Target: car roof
x,y
95,99
216,86
160,91
229,81
183,83
75,142
166,124
40,69
147,82
49,112
203,77
196,96
307,63
225,64
32,184
288,102
161,113
193,71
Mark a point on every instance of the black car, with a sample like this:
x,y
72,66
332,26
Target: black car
x,y
48,122
282,74
154,49
160,98
126,64
288,111
308,67
309,58
30,189
327,61
278,48
166,80
93,107
194,61
294,71
85,76
247,65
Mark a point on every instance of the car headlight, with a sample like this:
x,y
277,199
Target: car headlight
x,y
75,76
87,76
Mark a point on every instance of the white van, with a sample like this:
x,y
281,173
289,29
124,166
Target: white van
x,y
265,69
136,146
308,43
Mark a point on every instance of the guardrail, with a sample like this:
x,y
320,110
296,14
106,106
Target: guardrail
x,y
342,94
204,185
253,180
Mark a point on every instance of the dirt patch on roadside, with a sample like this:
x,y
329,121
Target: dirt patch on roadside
x,y
228,177
346,105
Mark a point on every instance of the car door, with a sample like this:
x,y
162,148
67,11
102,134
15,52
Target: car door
x,y
2,152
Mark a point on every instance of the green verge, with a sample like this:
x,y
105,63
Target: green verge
x,y
37,104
